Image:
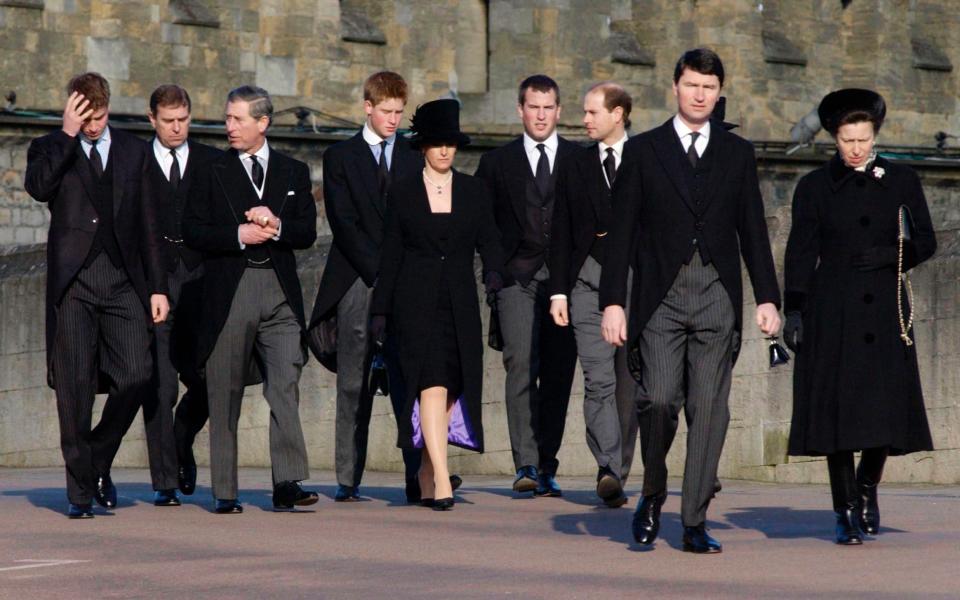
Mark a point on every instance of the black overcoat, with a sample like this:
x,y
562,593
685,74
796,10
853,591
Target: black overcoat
x,y
415,266
856,384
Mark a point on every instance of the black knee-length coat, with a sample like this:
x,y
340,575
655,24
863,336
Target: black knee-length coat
x,y
856,384
415,266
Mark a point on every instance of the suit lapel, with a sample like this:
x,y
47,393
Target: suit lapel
x,y
666,144
364,169
592,169
517,173
275,187
717,147
116,149
235,184
86,176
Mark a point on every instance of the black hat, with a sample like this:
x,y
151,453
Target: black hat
x,y
437,122
836,105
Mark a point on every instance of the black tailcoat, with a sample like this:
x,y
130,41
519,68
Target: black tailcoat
x,y
218,199
58,173
415,266
656,220
856,384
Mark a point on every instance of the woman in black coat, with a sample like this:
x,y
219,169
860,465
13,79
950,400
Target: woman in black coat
x,y
856,382
428,290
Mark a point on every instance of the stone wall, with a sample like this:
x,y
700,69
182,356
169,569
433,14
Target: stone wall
x,y
760,400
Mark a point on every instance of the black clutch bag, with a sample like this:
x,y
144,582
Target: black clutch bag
x,y
379,384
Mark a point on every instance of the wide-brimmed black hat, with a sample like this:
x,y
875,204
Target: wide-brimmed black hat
x,y
836,105
437,122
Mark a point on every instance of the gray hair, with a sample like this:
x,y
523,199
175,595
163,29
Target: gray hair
x,y
259,99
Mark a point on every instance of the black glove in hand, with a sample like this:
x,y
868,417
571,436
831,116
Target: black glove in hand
x,y
493,282
793,331
875,258
378,328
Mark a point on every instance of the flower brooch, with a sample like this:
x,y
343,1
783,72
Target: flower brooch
x,y
878,172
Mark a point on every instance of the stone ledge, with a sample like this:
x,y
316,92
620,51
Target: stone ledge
x,y
780,50
928,56
36,4
192,12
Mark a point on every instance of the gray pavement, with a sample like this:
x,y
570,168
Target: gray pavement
x,y
777,543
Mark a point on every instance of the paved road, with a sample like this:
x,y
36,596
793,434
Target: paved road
x,y
777,543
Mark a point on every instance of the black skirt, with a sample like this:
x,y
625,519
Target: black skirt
x,y
441,367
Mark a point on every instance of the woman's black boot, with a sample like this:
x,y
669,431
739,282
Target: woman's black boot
x,y
848,531
869,473
846,502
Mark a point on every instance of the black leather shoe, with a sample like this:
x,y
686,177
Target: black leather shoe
x,y
289,494
228,507
106,492
442,504
427,502
697,540
166,498
547,487
848,528
609,487
347,493
412,490
646,519
80,511
455,482
526,479
187,480
869,509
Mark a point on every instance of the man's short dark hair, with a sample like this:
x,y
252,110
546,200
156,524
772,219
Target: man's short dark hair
x,y
614,96
259,99
702,60
538,83
384,85
169,95
94,88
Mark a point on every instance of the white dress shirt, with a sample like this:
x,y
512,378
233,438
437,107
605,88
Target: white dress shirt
x,y
683,132
263,155
162,153
374,141
617,153
533,153
103,146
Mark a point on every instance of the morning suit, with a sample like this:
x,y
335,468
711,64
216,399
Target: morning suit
x,y
103,264
683,223
580,232
170,436
426,274
539,356
252,319
356,199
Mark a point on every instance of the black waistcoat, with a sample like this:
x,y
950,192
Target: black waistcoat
x,y
170,222
538,210
603,210
697,178
257,254
104,240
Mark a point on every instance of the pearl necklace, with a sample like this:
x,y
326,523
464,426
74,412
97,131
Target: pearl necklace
x,y
439,186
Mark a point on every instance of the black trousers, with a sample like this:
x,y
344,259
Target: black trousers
x,y
170,438
102,330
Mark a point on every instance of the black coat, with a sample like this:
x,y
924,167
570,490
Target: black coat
x,y
416,265
584,201
171,203
856,384
218,199
59,174
656,221
355,211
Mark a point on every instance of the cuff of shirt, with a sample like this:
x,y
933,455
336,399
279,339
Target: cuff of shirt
x,y
276,238
242,245
558,297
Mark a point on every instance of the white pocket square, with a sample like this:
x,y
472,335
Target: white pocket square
x,y
291,193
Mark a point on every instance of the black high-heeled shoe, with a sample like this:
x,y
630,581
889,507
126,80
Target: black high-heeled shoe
x,y
443,504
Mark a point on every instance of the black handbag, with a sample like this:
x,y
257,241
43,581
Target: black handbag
x,y
322,340
379,383
494,335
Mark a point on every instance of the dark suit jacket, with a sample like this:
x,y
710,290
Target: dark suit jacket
x,y
507,171
218,199
656,220
168,200
59,174
582,195
355,211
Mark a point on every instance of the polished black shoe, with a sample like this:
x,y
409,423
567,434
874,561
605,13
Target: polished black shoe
x,y
697,540
427,502
547,487
228,507
848,528
289,494
526,479
442,504
609,488
166,498
869,509
106,492
412,490
347,493
646,519
187,480
455,482
80,511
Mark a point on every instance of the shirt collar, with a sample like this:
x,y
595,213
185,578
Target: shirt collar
x,y
371,137
161,150
530,145
682,130
617,146
103,138
263,153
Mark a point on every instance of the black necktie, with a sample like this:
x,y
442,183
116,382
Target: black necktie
x,y
256,172
174,171
610,166
692,150
383,172
543,171
95,160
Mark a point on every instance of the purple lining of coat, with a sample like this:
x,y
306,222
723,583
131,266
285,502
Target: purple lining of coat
x,y
460,432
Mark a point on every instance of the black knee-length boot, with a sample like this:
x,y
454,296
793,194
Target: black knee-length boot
x,y
846,502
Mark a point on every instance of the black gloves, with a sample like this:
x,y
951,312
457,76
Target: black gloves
x,y
378,328
493,282
875,258
793,331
